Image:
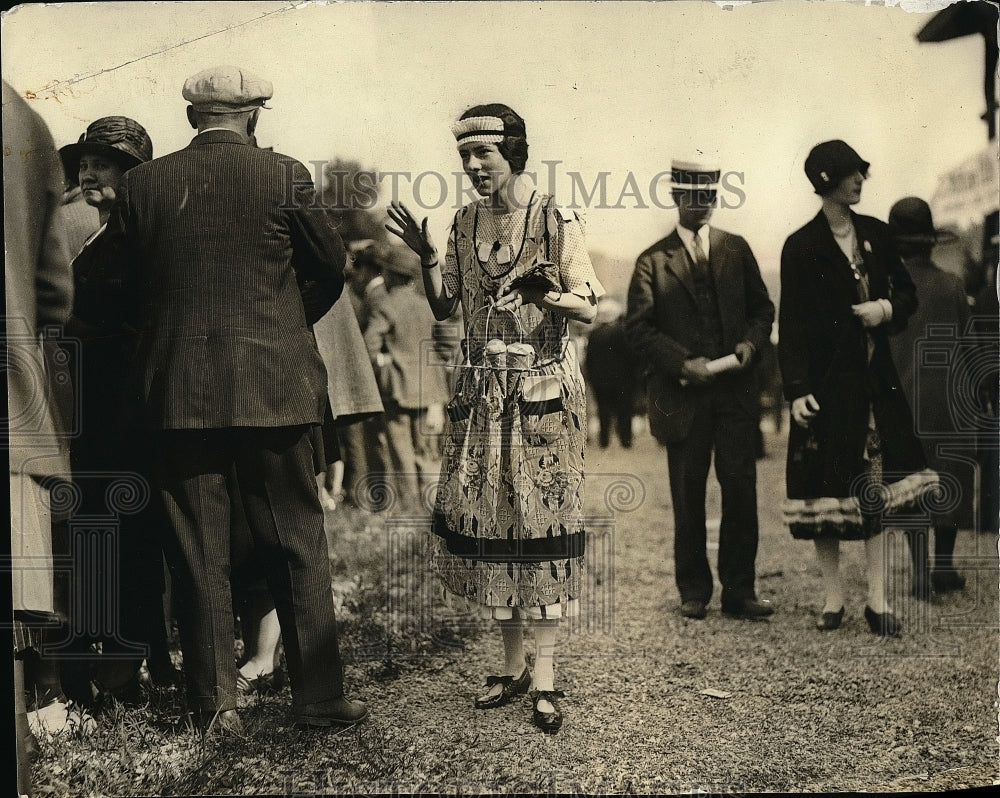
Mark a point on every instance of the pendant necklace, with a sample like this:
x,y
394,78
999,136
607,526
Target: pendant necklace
x,y
504,252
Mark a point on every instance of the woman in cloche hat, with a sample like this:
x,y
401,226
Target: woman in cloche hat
x,y
852,454
111,146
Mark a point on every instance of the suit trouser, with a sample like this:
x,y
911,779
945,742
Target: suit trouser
x,y
361,447
274,471
722,424
411,454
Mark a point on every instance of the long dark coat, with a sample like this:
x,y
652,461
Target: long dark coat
x,y
822,350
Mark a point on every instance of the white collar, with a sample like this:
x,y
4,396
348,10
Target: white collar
x,y
687,238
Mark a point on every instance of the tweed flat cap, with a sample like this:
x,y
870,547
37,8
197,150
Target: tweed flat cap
x,y
226,90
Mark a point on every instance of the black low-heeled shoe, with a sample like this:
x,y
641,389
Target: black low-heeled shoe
x,y
511,687
884,624
830,620
548,722
947,580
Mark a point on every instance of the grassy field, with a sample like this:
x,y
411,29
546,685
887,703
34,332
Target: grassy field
x,y
788,708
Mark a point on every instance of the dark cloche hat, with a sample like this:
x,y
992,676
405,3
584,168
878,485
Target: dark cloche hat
x,y
911,222
122,139
830,162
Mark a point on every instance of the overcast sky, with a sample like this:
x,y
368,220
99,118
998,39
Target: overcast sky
x,y
604,87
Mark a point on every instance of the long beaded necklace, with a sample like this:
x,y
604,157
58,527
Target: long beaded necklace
x,y
504,252
848,241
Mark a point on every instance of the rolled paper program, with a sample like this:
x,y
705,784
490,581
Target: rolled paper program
x,y
728,363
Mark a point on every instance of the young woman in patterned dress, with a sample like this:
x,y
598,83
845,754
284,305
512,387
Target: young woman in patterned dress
x,y
508,527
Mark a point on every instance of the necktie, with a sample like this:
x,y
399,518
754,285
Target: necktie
x,y
700,259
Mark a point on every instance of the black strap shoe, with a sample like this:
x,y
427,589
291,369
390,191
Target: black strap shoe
x,y
830,620
548,722
884,624
511,687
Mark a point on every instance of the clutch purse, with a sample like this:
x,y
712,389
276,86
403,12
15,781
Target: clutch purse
x,y
543,275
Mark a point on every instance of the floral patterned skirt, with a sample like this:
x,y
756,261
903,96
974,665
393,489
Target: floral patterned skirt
x,y
508,529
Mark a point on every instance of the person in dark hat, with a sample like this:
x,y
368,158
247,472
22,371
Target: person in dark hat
x,y
932,390
852,454
411,377
226,260
106,449
697,301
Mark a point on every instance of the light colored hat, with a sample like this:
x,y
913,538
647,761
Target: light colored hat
x,y
486,129
692,175
226,90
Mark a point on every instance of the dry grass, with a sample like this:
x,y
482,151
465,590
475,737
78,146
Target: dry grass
x,y
806,712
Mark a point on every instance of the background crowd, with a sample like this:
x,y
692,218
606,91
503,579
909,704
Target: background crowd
x,y
391,369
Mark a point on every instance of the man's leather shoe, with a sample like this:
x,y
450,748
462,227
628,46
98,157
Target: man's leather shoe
x,y
747,608
511,687
694,609
226,723
338,712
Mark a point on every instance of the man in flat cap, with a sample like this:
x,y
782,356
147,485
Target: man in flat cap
x,y
225,261
698,314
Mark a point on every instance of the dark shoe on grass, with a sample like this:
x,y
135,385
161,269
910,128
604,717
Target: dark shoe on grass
x,y
884,624
338,712
830,620
511,687
548,722
751,609
694,609
947,580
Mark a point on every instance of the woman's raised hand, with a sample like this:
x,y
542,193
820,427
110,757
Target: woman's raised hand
x,y
415,235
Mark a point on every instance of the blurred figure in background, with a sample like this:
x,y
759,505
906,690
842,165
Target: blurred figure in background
x,y
39,292
986,310
363,441
411,377
942,302
612,372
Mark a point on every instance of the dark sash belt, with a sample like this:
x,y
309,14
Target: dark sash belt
x,y
557,547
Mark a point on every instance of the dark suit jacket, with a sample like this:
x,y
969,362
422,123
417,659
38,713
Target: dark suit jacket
x,y
226,262
664,328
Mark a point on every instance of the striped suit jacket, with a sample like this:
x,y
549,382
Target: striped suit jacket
x,y
225,260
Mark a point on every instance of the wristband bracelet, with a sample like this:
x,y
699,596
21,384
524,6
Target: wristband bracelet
x,y
429,265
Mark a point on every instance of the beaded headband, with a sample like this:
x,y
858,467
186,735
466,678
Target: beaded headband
x,y
486,129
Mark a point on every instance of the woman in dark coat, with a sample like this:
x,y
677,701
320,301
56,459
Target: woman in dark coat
x,y
852,455
107,456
